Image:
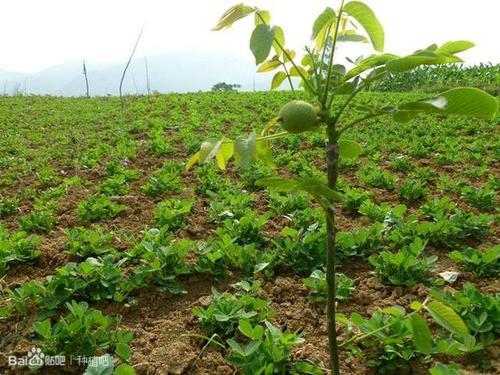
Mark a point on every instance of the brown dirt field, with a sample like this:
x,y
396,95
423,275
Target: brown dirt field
x,y
162,322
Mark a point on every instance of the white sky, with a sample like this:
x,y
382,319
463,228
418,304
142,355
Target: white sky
x,y
35,34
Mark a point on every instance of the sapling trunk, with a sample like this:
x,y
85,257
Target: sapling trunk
x,y
332,158
87,91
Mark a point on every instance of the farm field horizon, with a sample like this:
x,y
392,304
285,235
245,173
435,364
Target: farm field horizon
x,y
157,265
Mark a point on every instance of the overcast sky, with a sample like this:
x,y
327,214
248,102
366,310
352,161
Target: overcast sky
x,y
35,34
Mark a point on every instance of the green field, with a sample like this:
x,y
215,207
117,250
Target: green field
x,y
91,214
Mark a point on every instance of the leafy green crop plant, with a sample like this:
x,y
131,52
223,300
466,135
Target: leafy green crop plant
x,y
480,312
98,207
161,262
8,207
17,248
485,263
268,351
225,310
83,331
165,180
87,242
323,78
38,221
405,267
171,213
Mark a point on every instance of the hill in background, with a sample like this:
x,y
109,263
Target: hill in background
x,y
175,72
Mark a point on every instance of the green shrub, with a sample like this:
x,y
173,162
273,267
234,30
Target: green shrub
x,y
407,266
485,263
87,242
83,331
171,213
269,350
39,221
98,207
225,310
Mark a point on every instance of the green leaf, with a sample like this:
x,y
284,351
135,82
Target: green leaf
x,y
124,369
278,79
422,338
368,63
232,15
469,101
262,17
289,56
264,153
252,346
123,351
396,310
321,25
460,101
349,149
209,149
367,19
279,39
294,72
260,267
311,185
245,151
351,36
226,151
254,333
441,369
429,104
318,189
246,328
43,328
269,65
306,368
103,365
404,116
447,317
236,347
416,306
278,183
424,57
261,42
455,47
357,319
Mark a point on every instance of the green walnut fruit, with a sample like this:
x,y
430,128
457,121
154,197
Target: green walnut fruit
x,y
298,116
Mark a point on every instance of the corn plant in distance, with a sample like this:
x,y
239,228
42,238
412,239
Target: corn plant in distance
x,y
324,79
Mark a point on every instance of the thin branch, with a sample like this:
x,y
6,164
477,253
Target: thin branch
x,y
289,80
86,79
122,103
315,67
322,62
148,87
332,53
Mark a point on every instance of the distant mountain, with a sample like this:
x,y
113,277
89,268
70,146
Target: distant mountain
x,y
173,72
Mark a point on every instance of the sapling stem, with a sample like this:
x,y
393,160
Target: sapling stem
x,y
332,158
122,102
87,92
